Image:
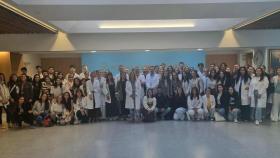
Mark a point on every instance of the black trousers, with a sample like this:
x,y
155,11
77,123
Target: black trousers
x,y
7,114
82,117
245,112
148,116
25,117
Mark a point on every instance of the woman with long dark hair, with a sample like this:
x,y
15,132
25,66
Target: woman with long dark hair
x,y
149,107
56,89
41,109
194,105
111,106
68,114
37,85
223,79
221,101
76,86
241,86
275,111
79,104
14,95
86,88
211,81
120,95
179,105
197,82
132,102
258,94
24,112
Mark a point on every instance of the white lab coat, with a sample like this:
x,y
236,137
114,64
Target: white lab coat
x,y
89,98
129,103
261,86
244,93
186,87
204,101
80,104
99,95
142,80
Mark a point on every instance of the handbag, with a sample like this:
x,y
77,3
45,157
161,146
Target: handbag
x,y
218,117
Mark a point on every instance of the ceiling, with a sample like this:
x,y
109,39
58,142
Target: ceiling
x,y
13,23
269,22
86,16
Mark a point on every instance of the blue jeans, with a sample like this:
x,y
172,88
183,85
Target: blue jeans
x,y
232,115
256,113
221,111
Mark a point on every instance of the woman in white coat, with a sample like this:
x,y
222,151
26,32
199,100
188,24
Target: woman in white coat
x,y
209,104
242,84
275,112
133,96
86,88
258,95
195,105
99,90
79,104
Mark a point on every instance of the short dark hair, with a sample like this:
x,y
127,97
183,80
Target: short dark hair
x,y
72,66
23,69
38,66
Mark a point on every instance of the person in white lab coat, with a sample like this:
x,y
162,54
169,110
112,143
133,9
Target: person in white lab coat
x,y
209,104
79,104
275,112
99,89
194,105
258,95
4,98
133,96
87,90
242,84
195,81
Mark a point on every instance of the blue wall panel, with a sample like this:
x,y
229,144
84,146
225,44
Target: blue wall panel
x,y
111,60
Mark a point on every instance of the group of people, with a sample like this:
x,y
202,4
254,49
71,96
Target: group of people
x,y
161,92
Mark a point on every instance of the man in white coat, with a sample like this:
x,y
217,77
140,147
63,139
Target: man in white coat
x,y
99,86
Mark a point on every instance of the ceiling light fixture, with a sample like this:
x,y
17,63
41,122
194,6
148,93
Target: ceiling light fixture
x,y
93,51
147,50
199,49
255,20
141,24
27,16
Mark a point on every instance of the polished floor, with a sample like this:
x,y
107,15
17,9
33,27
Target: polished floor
x,y
166,139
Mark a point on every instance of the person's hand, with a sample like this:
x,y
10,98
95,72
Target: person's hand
x,y
30,111
30,100
12,100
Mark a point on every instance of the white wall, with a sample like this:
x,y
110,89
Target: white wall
x,y
30,61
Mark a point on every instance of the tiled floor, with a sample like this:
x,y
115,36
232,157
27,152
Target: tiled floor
x,y
168,139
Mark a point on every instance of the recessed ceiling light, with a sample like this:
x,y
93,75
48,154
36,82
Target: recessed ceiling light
x,y
147,50
93,51
199,49
142,24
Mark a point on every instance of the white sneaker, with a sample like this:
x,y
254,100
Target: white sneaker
x,y
235,121
257,122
